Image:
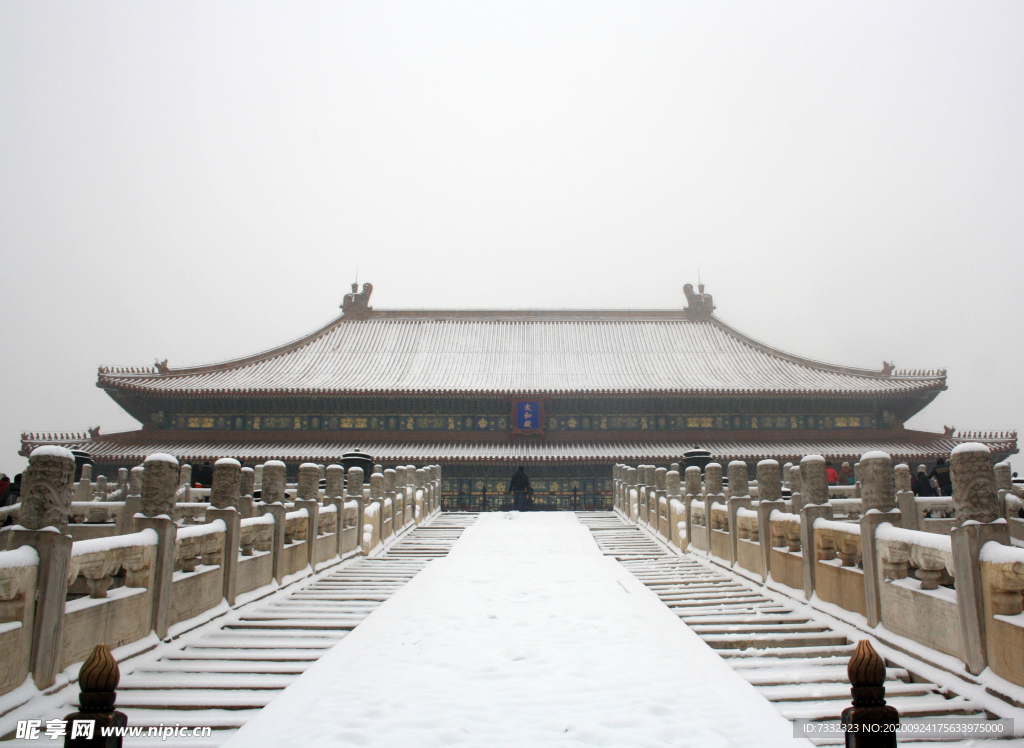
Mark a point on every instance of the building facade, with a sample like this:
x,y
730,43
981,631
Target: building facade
x,y
565,393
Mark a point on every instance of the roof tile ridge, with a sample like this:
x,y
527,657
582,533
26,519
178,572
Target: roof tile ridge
x,y
804,361
237,363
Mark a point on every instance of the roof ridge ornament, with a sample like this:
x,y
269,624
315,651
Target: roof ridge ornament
x,y
887,368
699,303
356,305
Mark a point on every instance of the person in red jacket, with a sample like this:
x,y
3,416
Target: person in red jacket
x,y
831,474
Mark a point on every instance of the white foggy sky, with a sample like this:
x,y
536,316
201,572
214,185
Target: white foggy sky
x,y
198,181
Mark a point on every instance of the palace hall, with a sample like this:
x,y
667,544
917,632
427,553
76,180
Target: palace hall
x,y
565,393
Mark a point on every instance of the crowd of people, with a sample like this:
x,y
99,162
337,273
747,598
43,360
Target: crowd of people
x,y
936,483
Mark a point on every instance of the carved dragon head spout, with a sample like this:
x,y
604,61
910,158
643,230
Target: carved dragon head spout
x,y
356,305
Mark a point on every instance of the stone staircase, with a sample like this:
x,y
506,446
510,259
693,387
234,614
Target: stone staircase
x,y
795,660
224,672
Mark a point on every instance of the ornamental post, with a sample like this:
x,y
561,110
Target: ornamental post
x,y
307,493
272,496
769,491
980,519
97,679
47,487
227,480
814,479
159,487
879,500
739,496
869,722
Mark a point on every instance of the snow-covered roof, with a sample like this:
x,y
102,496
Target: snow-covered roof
x,y
523,352
133,447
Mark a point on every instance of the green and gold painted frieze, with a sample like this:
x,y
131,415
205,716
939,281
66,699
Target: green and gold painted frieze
x,y
554,423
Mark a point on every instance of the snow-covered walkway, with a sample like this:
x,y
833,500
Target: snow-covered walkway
x,y
524,635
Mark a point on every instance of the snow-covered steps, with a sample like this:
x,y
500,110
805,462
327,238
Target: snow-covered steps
x,y
221,674
796,661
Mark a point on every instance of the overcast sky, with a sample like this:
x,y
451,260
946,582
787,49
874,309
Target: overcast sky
x,y
199,181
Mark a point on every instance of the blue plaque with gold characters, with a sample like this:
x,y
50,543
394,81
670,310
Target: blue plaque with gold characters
x,y
528,417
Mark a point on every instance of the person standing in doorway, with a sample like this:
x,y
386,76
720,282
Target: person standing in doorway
x,y
519,486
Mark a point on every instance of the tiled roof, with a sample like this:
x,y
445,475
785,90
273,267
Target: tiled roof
x,y
133,448
518,353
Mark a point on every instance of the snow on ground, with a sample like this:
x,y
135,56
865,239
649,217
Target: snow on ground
x,y
524,635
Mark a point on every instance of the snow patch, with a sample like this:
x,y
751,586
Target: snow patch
x,y
887,531
195,531
131,540
19,557
970,447
52,451
876,455
162,457
997,553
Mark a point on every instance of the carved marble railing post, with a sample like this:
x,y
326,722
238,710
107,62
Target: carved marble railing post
x,y
392,494
246,486
769,481
227,481
122,481
83,489
1004,486
257,474
429,484
739,496
438,479
272,498
47,488
905,499
615,486
764,513
377,497
159,486
307,493
402,489
870,719
673,494
641,491
274,477
185,479
692,493
877,488
769,491
796,497
354,489
632,486
856,480
713,492
660,492
814,482
421,488
979,518
334,495
785,474
410,476
97,680
132,502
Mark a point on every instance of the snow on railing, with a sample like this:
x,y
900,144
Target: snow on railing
x,y
747,526
929,552
98,559
18,570
785,530
200,542
842,539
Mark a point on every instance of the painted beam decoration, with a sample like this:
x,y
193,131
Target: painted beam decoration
x,y
528,417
